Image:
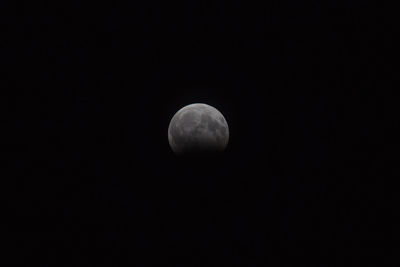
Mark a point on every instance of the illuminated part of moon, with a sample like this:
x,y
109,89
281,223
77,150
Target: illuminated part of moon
x,y
198,128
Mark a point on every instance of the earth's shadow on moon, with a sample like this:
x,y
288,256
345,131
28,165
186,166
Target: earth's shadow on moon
x,y
202,167
195,156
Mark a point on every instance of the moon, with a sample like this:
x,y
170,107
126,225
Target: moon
x,y
198,128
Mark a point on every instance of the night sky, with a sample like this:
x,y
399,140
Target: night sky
x,y
90,91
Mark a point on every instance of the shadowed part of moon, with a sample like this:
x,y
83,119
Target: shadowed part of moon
x,y
198,129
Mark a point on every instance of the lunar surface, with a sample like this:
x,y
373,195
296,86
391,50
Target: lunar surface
x,y
196,129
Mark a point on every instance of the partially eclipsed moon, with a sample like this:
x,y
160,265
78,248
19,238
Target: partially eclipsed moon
x,y
198,128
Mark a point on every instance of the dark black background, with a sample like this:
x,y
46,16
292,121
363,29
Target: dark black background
x,y
93,87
